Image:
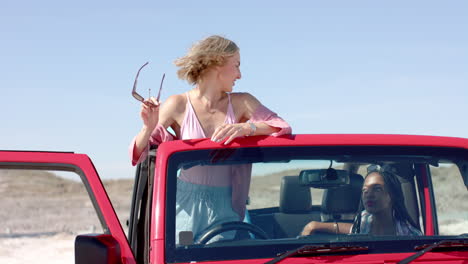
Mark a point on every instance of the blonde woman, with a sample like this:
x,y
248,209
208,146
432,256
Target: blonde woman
x,y
209,110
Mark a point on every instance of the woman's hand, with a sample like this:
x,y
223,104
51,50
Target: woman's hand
x,y
150,113
230,132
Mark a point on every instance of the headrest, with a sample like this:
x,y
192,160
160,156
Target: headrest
x,y
294,198
343,200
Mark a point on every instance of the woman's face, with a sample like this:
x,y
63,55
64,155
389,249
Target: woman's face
x,y
375,197
230,72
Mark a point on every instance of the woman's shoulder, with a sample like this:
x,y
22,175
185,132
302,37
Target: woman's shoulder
x,y
244,98
177,98
175,102
240,95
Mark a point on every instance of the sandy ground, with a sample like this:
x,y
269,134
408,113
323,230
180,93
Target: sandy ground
x,y
42,213
52,249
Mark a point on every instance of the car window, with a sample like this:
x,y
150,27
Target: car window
x,y
450,197
265,183
43,211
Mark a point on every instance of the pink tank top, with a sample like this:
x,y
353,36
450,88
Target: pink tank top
x,y
192,129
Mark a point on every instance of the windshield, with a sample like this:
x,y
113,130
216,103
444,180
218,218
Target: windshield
x,y
260,202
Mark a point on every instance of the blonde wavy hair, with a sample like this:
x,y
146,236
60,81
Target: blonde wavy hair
x,y
211,51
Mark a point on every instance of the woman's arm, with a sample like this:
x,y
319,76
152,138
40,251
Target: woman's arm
x,y
266,121
271,123
262,121
149,114
327,227
153,131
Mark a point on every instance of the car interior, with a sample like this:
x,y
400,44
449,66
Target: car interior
x,y
338,205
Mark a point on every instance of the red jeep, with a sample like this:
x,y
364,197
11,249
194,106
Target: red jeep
x,y
294,180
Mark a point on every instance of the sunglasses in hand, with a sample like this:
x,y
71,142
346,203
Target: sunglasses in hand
x,y
138,96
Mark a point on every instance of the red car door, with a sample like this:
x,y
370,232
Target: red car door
x,y
117,249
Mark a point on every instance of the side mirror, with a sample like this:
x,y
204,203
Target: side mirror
x,y
97,249
324,178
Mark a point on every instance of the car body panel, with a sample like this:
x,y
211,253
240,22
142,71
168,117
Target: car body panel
x,y
431,257
82,164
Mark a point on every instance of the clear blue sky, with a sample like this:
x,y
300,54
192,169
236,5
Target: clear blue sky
x,y
66,69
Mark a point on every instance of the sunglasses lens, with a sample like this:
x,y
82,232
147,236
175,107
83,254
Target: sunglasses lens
x,y
138,97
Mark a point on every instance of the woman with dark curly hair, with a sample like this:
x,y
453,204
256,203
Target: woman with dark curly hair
x,y
382,210
384,207
208,195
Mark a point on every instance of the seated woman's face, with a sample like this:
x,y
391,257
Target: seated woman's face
x,y
375,197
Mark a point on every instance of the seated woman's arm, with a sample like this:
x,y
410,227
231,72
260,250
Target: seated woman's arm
x,y
326,227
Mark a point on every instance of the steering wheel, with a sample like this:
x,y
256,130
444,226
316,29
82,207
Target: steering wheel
x,y
229,226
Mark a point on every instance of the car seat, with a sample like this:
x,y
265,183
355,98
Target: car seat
x,y
295,208
341,204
